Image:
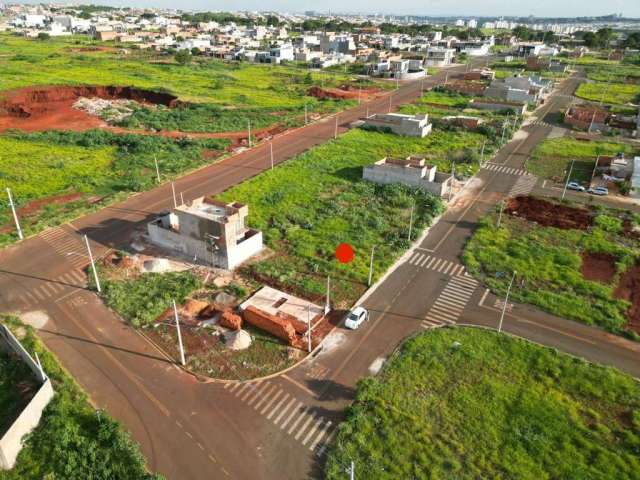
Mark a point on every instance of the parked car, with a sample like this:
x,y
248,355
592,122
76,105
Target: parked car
x,y
598,191
356,317
575,186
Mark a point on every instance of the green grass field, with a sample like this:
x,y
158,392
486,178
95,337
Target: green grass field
x,y
71,442
312,203
613,93
97,165
548,261
552,157
493,407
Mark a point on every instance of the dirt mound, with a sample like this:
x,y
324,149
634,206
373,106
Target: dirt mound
x,y
598,267
629,289
345,92
549,214
43,108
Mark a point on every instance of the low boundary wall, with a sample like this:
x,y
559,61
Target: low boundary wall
x,y
11,441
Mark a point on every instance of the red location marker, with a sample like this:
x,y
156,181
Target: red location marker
x,y
344,253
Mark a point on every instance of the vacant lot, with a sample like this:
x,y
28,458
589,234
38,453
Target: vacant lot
x,y
314,202
17,387
69,173
558,255
469,403
71,441
552,158
615,93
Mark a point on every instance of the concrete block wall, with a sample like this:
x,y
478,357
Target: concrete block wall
x,y
11,441
244,250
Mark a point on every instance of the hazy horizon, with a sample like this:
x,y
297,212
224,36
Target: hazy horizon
x,y
489,8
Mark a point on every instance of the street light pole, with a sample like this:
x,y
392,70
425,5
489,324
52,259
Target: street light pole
x,y
327,305
173,191
309,327
391,95
305,114
15,214
566,184
352,471
482,153
155,160
93,265
175,313
411,220
506,300
500,216
271,151
371,266
335,132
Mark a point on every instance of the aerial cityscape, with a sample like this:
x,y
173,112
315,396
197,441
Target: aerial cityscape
x,y
319,241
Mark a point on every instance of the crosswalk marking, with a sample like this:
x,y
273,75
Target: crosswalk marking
x,y
305,425
450,303
270,402
285,410
66,244
259,391
541,123
299,408
494,167
277,406
441,265
298,420
312,431
523,186
323,431
324,446
265,397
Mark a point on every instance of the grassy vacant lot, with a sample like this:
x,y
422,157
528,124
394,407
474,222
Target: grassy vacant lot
x,y
316,201
71,441
17,386
552,158
549,260
616,93
95,167
492,407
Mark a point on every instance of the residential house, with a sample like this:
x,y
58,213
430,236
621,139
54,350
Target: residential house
x,y
440,56
412,171
409,125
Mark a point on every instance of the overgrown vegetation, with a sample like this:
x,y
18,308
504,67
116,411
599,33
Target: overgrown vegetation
x,y
469,403
316,201
17,386
616,93
93,167
548,263
72,441
552,157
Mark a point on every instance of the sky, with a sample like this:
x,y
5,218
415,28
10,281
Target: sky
x,y
540,8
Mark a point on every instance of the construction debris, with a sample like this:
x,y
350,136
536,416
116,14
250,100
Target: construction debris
x,y
112,110
237,340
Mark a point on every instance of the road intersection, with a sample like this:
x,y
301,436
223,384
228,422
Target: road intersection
x,y
277,427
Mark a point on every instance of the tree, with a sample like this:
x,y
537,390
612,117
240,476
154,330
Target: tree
x,y
183,57
195,51
522,33
632,41
44,36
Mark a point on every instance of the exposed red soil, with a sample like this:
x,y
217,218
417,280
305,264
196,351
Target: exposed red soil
x,y
598,267
549,214
629,289
51,107
345,92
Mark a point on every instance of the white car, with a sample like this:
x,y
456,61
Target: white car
x,y
598,191
356,317
575,186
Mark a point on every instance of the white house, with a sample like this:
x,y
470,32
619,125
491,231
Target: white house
x,y
409,125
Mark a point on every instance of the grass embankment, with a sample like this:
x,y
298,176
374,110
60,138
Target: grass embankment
x,y
17,387
71,442
552,158
94,167
493,407
309,205
548,261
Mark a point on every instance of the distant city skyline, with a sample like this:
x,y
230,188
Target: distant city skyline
x,y
488,8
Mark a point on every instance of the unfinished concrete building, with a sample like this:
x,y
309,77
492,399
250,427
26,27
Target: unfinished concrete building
x,y
410,125
208,231
412,171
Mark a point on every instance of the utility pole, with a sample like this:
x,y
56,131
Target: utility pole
x,y
411,220
305,114
352,472
327,305
366,115
359,93
422,87
15,214
93,265
390,102
249,131
593,117
155,160
271,150
371,266
446,77
397,83
309,327
504,127
453,179
175,313
173,191
181,199
593,173
482,153
566,184
500,216
506,300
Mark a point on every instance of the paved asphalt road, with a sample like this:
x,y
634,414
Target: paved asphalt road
x,y
277,428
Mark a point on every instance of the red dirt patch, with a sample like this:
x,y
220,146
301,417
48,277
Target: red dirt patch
x,y
549,214
47,108
345,92
598,267
629,289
